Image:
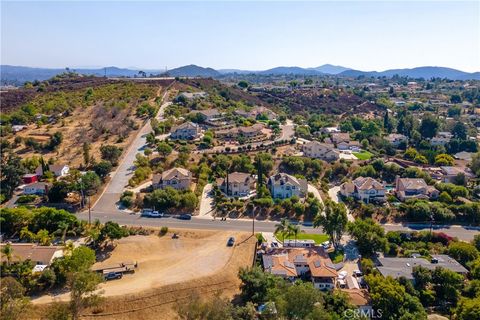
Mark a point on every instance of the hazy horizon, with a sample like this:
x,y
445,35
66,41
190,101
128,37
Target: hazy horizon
x,y
367,36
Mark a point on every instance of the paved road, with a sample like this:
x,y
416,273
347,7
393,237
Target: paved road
x,y
124,218
333,194
119,178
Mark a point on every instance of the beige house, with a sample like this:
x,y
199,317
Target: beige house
x,y
364,189
257,111
338,137
209,114
407,188
292,263
239,184
284,186
186,131
59,170
246,132
318,150
39,255
176,178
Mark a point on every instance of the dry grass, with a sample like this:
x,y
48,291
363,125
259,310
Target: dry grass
x,y
170,270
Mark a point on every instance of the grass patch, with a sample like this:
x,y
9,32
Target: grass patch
x,y
336,256
318,238
364,155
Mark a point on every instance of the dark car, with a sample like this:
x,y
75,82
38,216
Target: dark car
x,y
230,242
185,216
113,275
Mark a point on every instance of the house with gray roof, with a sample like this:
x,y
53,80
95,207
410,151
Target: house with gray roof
x,y
282,186
403,267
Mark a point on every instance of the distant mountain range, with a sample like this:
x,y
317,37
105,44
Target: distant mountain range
x,y
18,74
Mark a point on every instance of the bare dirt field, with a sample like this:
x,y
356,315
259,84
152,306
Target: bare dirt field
x,y
169,271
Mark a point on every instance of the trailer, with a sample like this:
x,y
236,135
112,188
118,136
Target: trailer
x,y
121,268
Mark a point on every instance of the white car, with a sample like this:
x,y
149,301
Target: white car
x,y
342,275
156,214
326,244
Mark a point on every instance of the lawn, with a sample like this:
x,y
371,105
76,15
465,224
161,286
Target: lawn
x,y
364,155
336,256
318,238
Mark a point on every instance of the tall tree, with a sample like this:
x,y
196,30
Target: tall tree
x,y
369,235
429,126
282,228
11,173
334,221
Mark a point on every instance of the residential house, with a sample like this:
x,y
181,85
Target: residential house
x,y
186,131
210,114
364,189
29,178
39,255
239,184
245,132
318,150
193,95
38,188
359,298
353,146
403,267
463,155
329,130
406,188
176,178
439,141
338,137
59,170
451,173
284,186
396,139
256,112
291,263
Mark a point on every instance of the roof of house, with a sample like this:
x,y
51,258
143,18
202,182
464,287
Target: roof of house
x,y
283,178
463,155
34,252
403,267
185,125
208,112
452,171
319,144
412,183
284,259
57,167
340,136
347,187
174,173
358,297
367,183
239,177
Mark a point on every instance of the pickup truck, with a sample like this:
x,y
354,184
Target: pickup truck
x,y
113,275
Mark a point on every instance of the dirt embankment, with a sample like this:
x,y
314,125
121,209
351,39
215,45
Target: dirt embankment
x,y
169,271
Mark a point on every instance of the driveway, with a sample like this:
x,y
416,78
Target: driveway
x,y
316,193
110,196
333,194
207,203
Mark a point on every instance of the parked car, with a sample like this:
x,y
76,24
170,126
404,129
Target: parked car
x,y
326,244
113,275
185,216
156,214
230,242
357,273
147,212
274,245
342,275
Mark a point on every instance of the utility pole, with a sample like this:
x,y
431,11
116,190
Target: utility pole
x,y
89,212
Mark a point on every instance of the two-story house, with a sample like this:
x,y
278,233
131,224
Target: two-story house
x,y
291,263
364,189
322,151
176,178
396,139
282,186
237,184
186,131
407,188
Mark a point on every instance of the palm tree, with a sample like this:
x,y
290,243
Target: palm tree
x,y
282,228
7,250
295,230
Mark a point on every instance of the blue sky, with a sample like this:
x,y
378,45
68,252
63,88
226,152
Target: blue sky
x,y
244,35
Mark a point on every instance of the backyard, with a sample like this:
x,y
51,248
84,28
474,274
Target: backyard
x,y
318,238
364,155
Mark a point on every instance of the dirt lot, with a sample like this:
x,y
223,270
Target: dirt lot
x,y
169,271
